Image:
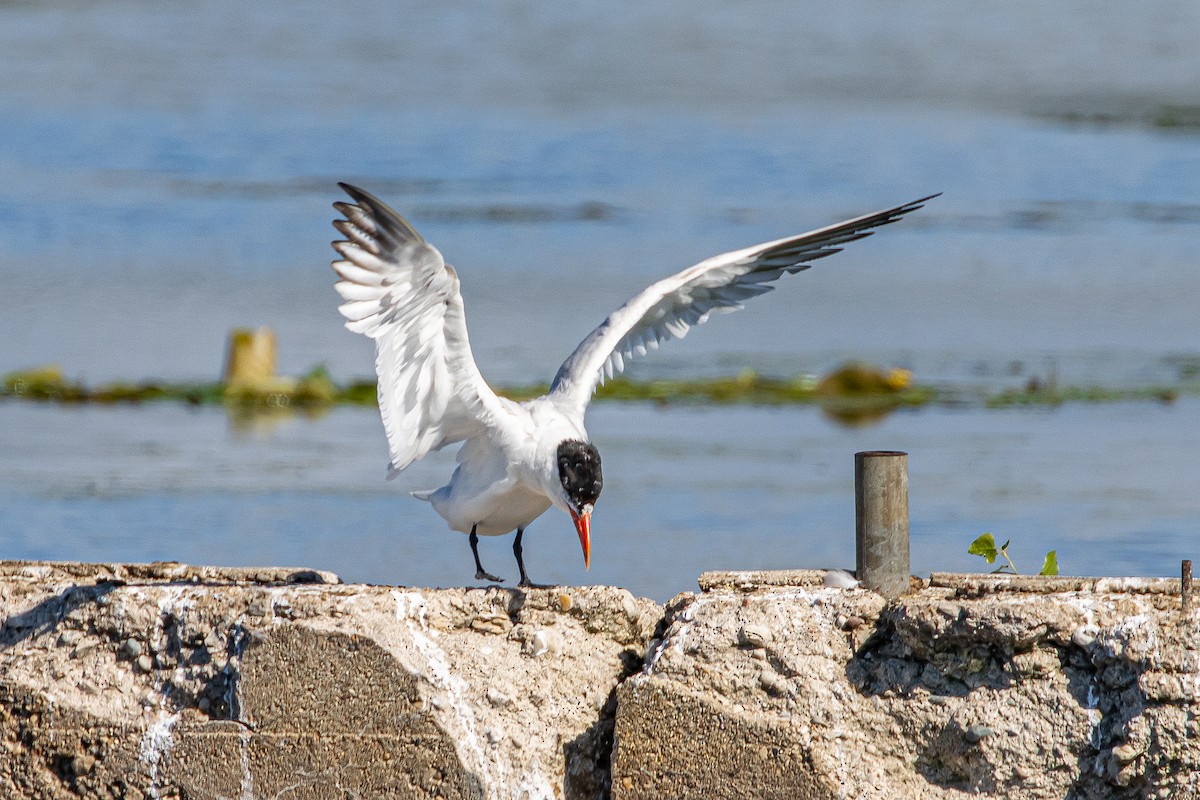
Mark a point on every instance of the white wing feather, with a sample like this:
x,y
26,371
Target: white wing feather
x,y
670,308
400,292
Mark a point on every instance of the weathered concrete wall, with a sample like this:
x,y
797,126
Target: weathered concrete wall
x,y
175,681
172,681
973,686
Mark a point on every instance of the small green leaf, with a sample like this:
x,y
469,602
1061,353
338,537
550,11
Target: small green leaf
x,y
1050,565
1004,547
984,546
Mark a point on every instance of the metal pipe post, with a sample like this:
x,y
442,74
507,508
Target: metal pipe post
x,y
1185,585
881,521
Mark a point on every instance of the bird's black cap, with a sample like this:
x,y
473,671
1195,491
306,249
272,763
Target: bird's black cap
x,y
579,471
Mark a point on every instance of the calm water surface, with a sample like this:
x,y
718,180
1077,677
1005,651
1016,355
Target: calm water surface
x,y
1111,487
166,173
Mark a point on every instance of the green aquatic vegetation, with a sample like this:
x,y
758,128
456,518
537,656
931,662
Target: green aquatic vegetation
x,y
197,394
1178,116
316,389
518,393
853,394
850,389
985,547
359,393
1055,395
43,383
746,387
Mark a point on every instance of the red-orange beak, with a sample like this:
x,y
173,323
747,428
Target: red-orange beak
x,y
583,525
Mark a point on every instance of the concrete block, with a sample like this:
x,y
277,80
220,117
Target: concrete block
x,y
171,681
1077,688
187,682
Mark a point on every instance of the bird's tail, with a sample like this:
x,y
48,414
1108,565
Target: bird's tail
x,y
423,494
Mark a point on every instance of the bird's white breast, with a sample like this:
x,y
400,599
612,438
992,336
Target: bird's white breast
x,y
505,478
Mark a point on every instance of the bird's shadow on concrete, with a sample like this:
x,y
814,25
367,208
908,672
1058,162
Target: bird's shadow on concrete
x,y
45,617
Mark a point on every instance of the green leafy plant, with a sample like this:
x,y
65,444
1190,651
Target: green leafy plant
x,y
985,547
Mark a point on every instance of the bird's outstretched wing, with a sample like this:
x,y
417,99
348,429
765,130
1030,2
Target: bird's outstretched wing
x,y
669,308
400,292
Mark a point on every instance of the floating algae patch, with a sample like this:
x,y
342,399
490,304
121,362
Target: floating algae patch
x,y
359,393
853,394
43,383
747,387
1178,116
860,385
519,393
1054,396
1169,116
315,390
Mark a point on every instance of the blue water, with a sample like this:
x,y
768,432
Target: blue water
x,y
166,173
687,489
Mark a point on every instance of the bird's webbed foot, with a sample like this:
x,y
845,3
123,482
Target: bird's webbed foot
x,y
480,575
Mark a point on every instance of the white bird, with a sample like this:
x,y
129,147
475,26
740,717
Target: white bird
x,y
518,459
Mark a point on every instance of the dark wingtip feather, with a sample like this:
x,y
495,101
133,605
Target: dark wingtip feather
x,y
386,217
915,204
887,217
808,247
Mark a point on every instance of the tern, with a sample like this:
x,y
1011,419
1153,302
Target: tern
x,y
518,459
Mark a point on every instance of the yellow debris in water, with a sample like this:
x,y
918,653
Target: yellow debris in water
x,y
898,378
856,378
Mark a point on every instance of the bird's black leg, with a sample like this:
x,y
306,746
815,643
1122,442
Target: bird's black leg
x,y
519,552
480,575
